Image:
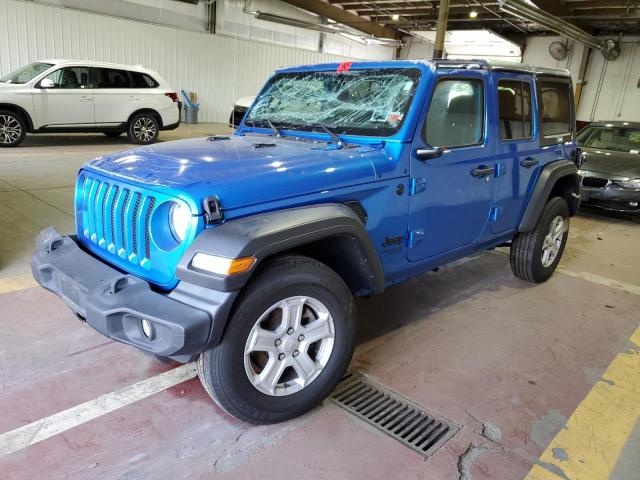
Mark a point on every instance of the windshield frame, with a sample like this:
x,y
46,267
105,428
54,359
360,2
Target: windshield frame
x,y
16,73
413,73
589,131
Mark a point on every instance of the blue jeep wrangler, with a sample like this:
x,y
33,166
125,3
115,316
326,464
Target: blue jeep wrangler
x,y
246,251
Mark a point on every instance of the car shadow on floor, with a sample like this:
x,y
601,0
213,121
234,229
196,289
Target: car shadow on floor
x,y
77,140
418,298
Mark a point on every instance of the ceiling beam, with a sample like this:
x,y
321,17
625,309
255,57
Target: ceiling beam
x,y
346,18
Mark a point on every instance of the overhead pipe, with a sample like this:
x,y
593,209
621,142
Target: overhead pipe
x,y
336,29
529,13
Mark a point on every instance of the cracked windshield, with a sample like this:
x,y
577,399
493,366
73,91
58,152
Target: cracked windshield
x,y
370,102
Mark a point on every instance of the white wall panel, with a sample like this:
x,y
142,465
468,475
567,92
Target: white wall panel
x,y
219,68
611,91
536,52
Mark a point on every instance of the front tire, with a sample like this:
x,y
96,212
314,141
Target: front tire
x,y
143,129
13,129
536,254
287,343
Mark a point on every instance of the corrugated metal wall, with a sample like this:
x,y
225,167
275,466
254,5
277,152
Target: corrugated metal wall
x,y
612,91
220,69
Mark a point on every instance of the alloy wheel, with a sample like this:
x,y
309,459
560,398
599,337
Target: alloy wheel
x,y
10,129
144,129
289,346
553,240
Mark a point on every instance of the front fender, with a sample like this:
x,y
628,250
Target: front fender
x,y
267,234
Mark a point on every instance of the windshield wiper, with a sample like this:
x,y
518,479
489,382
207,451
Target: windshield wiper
x,y
275,130
336,139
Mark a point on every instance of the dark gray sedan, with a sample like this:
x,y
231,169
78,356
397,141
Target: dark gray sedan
x,y
611,169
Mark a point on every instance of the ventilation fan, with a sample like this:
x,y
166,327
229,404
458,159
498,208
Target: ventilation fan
x,y
558,50
610,49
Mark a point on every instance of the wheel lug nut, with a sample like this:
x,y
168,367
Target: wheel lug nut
x,y
300,338
296,353
278,342
281,356
290,331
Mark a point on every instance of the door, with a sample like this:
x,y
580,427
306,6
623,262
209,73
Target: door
x,y
115,99
452,169
517,148
69,100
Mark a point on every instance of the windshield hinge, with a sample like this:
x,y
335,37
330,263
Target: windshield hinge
x,y
417,185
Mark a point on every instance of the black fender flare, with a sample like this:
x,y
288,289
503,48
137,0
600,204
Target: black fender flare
x,y
266,234
548,178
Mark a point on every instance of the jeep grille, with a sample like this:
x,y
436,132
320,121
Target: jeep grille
x,y
115,220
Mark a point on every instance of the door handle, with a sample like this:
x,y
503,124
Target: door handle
x,y
85,98
529,162
482,171
134,98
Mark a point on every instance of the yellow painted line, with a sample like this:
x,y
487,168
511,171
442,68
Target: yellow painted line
x,y
590,445
13,284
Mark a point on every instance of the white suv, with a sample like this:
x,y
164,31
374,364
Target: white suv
x,y
80,96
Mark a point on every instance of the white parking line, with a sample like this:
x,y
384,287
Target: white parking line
x,y
60,422
608,282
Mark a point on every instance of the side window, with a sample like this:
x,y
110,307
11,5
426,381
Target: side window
x,y
142,80
456,114
112,78
514,107
70,77
555,106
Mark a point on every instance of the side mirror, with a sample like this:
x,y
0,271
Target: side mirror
x,y
429,153
47,83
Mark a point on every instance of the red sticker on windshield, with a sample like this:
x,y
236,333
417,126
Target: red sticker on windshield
x,y
344,67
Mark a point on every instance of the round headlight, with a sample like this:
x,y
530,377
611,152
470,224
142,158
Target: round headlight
x,y
179,219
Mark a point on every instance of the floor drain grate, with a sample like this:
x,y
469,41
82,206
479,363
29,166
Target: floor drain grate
x,y
400,418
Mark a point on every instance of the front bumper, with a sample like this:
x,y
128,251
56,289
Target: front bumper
x,y
114,303
611,198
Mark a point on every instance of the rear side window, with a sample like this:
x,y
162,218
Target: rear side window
x,y
142,80
112,78
514,107
556,108
455,117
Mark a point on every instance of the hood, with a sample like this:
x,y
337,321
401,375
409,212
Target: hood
x,y
615,164
11,86
242,170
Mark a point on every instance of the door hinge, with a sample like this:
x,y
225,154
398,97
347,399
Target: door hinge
x,y
415,237
494,214
417,185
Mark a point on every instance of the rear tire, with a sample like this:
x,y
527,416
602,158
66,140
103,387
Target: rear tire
x,y
259,343
13,129
143,129
535,255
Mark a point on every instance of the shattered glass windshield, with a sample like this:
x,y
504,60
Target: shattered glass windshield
x,y
27,73
370,102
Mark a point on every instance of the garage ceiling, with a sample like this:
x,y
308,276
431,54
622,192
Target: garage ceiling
x,y
597,16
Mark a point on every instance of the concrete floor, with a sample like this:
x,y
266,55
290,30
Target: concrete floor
x,y
470,342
